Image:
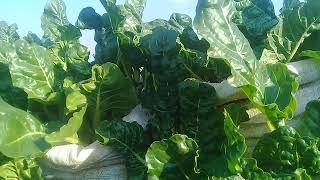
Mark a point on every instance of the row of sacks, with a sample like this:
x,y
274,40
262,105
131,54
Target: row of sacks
x,y
308,72
97,161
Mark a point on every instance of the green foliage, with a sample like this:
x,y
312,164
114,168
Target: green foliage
x,y
284,150
173,158
50,94
255,19
309,122
8,33
20,169
304,19
47,97
108,92
248,73
28,135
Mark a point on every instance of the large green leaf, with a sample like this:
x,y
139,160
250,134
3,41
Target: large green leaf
x,y
273,92
295,25
69,119
32,70
174,158
108,91
68,132
53,17
235,146
8,33
28,136
214,22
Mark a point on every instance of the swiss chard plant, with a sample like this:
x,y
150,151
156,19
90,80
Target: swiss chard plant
x,y
51,95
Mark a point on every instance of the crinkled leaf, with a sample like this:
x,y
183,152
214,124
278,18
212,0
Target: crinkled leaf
x,y
107,48
121,133
190,40
220,144
118,21
295,25
161,41
69,33
75,100
133,14
77,60
114,15
251,171
256,19
284,150
53,17
8,33
257,16
129,139
174,158
28,136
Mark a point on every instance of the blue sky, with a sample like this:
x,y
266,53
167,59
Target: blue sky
x,y
26,13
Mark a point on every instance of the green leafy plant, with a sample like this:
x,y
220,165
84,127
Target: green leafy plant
x,y
51,95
